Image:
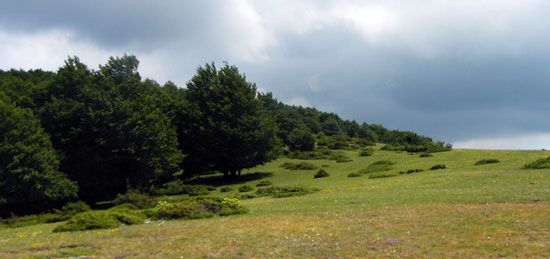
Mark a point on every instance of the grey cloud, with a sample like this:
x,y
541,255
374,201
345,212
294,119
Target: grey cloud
x,y
453,72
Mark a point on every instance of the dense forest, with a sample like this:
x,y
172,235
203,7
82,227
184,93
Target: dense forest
x,y
90,134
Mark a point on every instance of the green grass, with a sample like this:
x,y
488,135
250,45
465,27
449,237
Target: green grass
x,y
494,210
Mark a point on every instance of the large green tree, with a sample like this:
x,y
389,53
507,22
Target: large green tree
x,y
225,128
109,128
29,176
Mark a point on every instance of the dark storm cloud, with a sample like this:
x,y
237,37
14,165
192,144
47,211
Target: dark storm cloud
x,y
149,25
453,70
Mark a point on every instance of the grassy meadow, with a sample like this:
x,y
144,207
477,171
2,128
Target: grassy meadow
x,y
491,210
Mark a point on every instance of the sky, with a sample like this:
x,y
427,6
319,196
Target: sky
x,y
475,73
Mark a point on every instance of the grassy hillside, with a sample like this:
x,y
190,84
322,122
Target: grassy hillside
x,y
489,210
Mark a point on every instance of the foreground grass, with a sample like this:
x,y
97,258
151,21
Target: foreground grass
x,y
466,210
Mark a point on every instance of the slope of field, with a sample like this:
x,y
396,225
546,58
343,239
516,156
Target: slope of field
x,y
465,210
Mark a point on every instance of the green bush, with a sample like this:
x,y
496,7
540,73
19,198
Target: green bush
x,y
298,166
415,148
411,171
73,208
339,155
226,189
323,150
30,220
186,210
378,166
232,206
321,173
125,206
337,145
437,167
264,183
333,142
542,163
301,139
365,142
487,161
426,155
439,146
246,188
178,187
233,211
247,196
200,207
393,147
100,219
374,176
284,191
366,152
141,200
306,155
210,187
343,159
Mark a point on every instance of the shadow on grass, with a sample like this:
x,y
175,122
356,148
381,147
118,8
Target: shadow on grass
x,y
220,180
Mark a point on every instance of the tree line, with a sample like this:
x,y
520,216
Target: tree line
x,y
90,134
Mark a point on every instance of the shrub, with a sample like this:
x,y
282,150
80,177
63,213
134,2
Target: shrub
x,y
365,142
354,175
321,173
141,200
125,206
264,183
178,187
439,146
301,139
426,155
337,145
415,148
210,187
317,154
339,156
333,142
343,159
306,155
374,176
366,152
325,166
411,171
378,166
73,208
226,189
487,161
100,219
299,166
246,188
542,163
200,207
247,196
232,206
29,220
284,191
437,167
393,147
323,150
185,210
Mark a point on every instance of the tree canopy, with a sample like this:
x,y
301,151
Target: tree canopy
x,y
29,176
227,128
